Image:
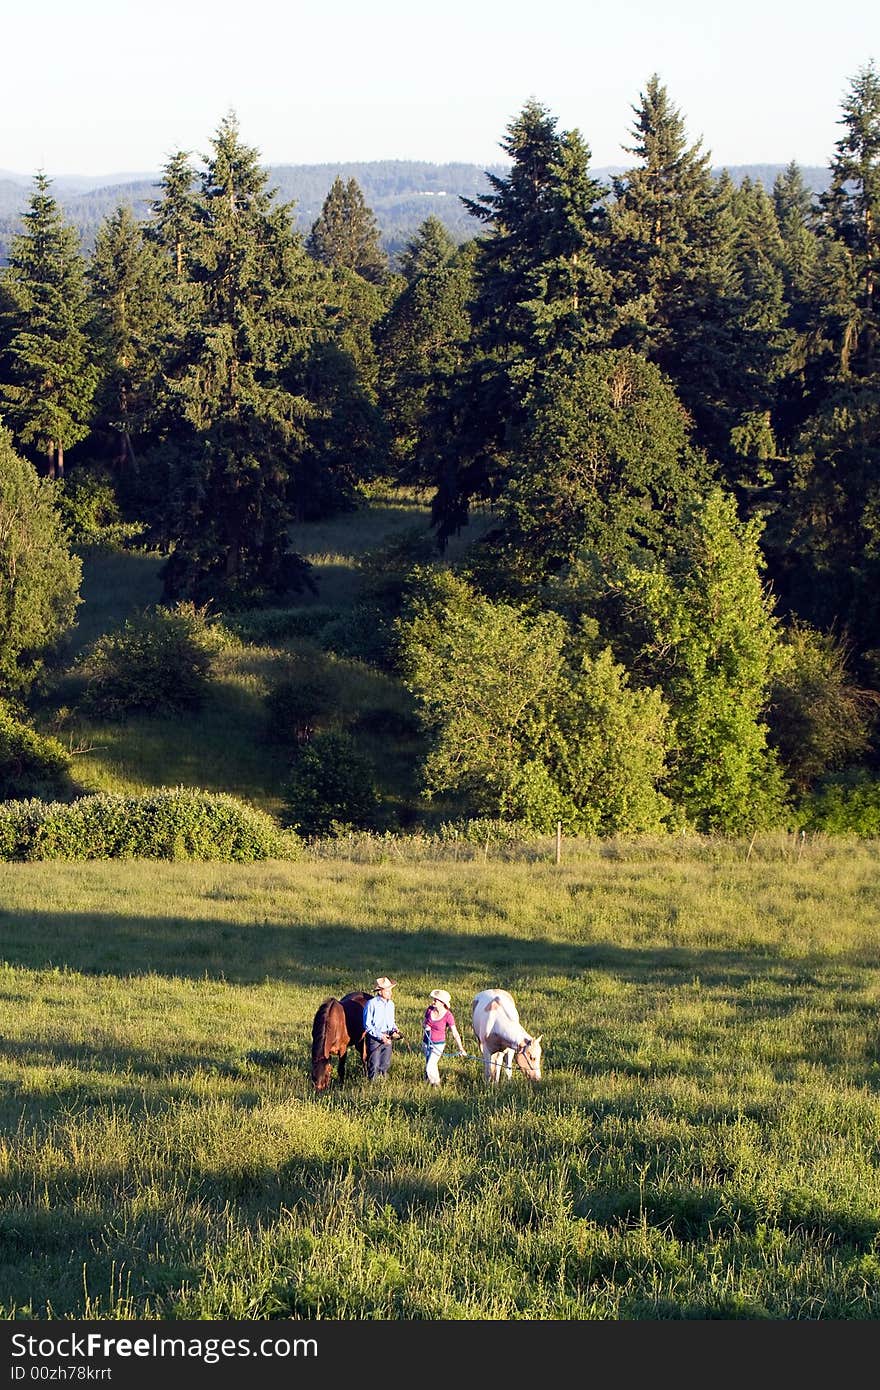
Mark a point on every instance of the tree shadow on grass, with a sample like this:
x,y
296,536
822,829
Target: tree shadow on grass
x,y
331,954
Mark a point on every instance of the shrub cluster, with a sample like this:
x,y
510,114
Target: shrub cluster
x,y
89,508
331,786
158,662
172,823
31,764
845,804
365,633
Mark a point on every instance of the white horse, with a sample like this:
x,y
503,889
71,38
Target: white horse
x,y
502,1037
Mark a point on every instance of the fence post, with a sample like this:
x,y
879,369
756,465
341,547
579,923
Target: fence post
x,y
559,842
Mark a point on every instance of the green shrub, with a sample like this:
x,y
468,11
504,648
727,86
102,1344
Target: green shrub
x,y
477,830
331,784
846,804
88,507
31,764
819,719
159,662
172,823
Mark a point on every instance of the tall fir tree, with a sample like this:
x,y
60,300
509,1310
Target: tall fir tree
x,y
801,371
48,375
174,215
831,531
662,221
130,287
422,340
764,340
345,235
851,206
676,280
542,300
230,504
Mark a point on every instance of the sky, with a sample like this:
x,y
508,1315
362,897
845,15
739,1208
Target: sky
x,y
104,86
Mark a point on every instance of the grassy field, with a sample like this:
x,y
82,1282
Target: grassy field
x,y
705,1143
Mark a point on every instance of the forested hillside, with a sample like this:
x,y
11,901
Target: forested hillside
x,y
402,193
624,430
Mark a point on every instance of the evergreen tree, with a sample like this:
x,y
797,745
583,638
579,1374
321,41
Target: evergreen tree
x,y
430,250
174,216
423,338
130,286
677,283
47,372
851,205
230,503
542,301
801,372
345,236
829,535
763,339
661,227
542,294
347,437
605,465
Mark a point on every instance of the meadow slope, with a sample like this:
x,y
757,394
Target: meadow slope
x,y
705,1143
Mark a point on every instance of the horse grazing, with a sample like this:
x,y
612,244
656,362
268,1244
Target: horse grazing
x,y
502,1037
354,1004
337,1026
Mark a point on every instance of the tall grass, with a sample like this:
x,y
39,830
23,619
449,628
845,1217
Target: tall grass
x,y
704,1144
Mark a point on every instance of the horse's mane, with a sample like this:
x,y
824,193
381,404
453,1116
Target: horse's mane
x,y
319,1028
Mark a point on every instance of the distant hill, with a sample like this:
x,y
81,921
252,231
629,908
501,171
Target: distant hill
x,y
401,193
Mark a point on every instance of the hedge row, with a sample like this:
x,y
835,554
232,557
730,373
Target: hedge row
x,y
173,823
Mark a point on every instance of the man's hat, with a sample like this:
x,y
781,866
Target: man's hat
x,y
383,982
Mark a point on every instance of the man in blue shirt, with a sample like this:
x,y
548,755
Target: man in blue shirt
x,y
381,1028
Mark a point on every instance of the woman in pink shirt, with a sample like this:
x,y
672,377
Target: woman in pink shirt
x,y
437,1019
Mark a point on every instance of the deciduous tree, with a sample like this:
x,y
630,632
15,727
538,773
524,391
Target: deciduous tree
x,y
39,577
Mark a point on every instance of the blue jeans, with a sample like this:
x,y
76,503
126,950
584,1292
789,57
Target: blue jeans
x,y
433,1052
378,1058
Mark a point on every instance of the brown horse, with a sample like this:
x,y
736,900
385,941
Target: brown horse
x,y
338,1025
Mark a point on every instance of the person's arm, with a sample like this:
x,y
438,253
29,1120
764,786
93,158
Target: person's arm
x,y
458,1042
370,1025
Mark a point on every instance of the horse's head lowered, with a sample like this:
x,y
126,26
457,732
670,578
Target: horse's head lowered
x,y
321,1070
528,1057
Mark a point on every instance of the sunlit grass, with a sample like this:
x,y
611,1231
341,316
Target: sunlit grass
x,y
704,1144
